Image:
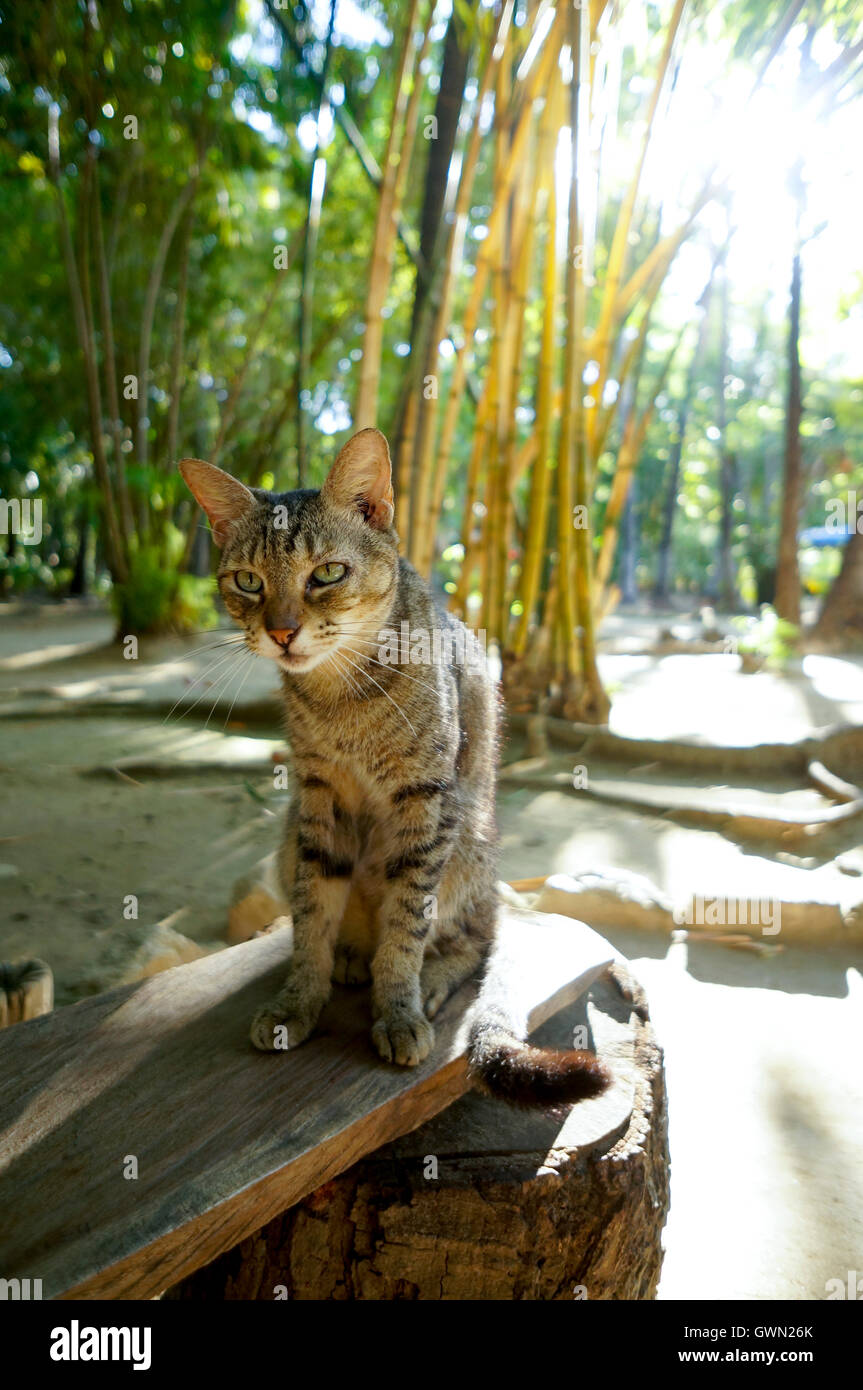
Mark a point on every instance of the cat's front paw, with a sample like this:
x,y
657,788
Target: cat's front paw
x,y
403,1037
277,1028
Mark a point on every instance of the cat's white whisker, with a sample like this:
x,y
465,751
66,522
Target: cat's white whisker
x,y
246,671
396,706
346,675
225,642
215,665
223,686
387,667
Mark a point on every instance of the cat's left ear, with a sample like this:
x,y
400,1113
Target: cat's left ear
x,y
361,479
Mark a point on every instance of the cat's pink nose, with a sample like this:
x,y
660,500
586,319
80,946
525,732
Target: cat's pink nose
x,y
282,635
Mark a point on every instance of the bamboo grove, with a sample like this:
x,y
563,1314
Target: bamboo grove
x,y
533,574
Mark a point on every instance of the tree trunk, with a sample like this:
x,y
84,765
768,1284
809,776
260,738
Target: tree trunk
x,y
840,624
727,464
78,582
787,600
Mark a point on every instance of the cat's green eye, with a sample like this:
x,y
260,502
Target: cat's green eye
x,y
329,574
249,582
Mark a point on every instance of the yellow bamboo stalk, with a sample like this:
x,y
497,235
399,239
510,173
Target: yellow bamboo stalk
x,y
468,518
498,379
617,255
404,462
662,253
412,114
594,701
630,358
541,476
383,248
649,277
572,414
528,198
537,81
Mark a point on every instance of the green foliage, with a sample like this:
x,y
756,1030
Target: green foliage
x,y
24,571
158,597
769,639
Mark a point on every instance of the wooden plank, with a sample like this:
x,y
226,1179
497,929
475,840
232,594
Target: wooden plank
x,y
224,1137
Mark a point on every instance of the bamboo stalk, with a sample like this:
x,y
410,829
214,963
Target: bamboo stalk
x,y
620,240
177,346
471,489
628,454
572,414
126,519
113,542
383,247
148,314
541,476
537,81
531,196
593,699
502,197
452,261
317,187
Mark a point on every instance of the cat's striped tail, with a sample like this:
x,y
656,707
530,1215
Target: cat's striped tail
x,y
503,1064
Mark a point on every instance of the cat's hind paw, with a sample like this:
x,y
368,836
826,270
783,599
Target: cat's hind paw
x,y
403,1038
349,967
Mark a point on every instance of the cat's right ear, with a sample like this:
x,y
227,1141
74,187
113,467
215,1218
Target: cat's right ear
x,y
222,497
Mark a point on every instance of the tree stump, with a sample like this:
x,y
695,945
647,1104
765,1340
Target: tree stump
x,y
484,1202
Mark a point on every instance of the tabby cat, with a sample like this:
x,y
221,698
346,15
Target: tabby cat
x,y
389,856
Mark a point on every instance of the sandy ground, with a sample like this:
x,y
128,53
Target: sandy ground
x,y
103,797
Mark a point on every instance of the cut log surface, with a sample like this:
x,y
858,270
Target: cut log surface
x,y
141,1135
483,1202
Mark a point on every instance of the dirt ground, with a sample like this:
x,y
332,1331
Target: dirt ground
x,y
109,795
